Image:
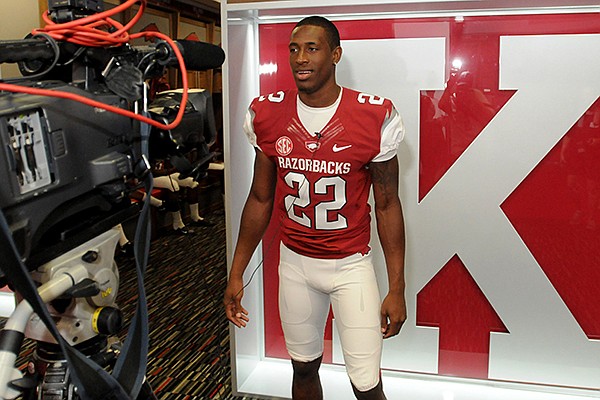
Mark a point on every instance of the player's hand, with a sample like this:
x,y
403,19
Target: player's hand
x,y
393,314
232,300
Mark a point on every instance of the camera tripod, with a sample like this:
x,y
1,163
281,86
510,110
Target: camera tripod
x,y
80,288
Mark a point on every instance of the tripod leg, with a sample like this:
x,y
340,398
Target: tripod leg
x,y
146,392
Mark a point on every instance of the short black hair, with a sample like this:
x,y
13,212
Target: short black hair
x,y
331,31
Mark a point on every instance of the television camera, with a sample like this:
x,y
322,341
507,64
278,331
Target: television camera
x,y
78,131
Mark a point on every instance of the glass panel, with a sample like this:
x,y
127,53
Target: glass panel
x,y
555,209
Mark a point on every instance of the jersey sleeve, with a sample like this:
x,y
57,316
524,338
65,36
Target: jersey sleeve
x,y
249,128
392,133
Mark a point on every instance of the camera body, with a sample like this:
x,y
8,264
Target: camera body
x,y
187,146
65,166
68,166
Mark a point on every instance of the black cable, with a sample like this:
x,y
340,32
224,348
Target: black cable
x,y
75,57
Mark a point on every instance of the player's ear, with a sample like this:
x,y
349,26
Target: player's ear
x,y
337,55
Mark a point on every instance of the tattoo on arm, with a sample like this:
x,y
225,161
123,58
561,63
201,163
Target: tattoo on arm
x,y
384,175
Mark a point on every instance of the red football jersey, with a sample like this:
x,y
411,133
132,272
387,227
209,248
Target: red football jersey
x,y
323,182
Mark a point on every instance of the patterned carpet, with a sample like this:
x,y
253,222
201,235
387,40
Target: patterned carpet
x,y
189,338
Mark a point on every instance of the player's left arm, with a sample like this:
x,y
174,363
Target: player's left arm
x,y
390,228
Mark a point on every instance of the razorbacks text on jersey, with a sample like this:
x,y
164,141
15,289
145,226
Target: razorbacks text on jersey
x,y
323,183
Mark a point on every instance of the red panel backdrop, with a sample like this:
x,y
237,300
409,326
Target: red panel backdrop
x,y
555,210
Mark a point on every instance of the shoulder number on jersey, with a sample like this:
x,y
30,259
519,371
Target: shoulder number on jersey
x,y
273,97
371,99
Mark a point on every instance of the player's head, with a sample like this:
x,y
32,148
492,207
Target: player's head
x,y
331,31
314,52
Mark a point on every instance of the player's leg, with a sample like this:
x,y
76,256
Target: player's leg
x,y
306,383
303,311
356,306
373,394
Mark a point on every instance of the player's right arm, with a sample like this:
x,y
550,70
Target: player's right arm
x,y
254,221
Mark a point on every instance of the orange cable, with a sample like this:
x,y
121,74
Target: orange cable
x,y
86,28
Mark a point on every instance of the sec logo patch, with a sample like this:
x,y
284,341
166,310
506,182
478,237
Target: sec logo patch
x,y
284,146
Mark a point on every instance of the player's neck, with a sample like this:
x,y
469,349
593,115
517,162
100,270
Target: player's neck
x,y
323,97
